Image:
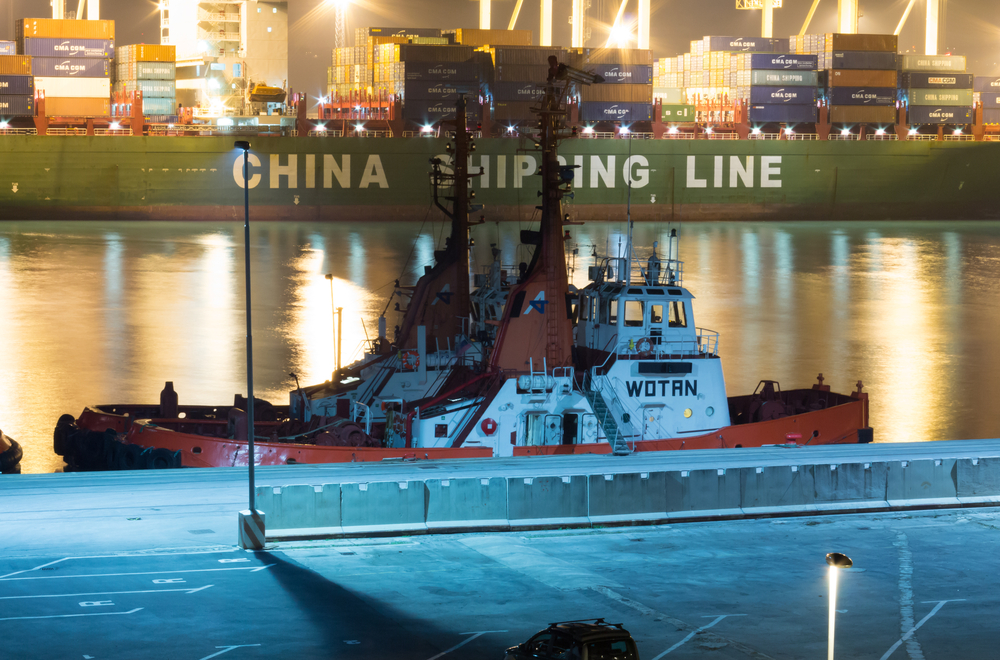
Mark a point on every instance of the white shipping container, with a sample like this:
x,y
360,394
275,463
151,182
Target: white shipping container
x,y
74,88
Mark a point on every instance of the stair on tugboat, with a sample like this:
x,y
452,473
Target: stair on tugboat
x,y
608,423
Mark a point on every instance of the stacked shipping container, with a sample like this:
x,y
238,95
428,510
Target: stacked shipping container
x,y
862,78
936,90
17,85
515,80
782,88
152,70
627,91
71,62
987,89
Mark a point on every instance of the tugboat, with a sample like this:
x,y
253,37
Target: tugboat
x,y
618,367
10,455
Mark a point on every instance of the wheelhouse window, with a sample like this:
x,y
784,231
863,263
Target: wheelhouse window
x,y
678,318
585,308
613,312
656,314
634,310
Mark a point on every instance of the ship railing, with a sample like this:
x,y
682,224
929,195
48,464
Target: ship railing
x,y
722,136
113,131
678,136
807,137
992,137
705,343
326,133
616,411
18,131
636,135
370,134
362,414
412,134
844,137
882,137
217,17
921,137
959,138
72,130
662,272
764,136
597,135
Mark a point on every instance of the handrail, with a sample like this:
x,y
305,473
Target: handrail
x,y
704,344
359,410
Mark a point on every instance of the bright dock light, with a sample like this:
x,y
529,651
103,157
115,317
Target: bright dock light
x,y
836,561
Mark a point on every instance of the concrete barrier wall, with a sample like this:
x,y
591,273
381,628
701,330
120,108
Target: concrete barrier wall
x,y
546,501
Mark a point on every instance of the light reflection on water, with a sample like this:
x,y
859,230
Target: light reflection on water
x,y
93,314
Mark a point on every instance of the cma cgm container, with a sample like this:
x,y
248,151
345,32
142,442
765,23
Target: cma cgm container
x,y
17,85
66,67
952,97
790,62
784,78
887,43
617,93
929,114
990,100
149,88
991,116
605,111
22,105
986,84
441,72
8,48
147,53
746,44
851,78
89,48
862,96
431,112
923,80
516,91
440,91
71,107
636,74
935,63
782,95
784,114
64,29
863,114
146,71
81,88
862,59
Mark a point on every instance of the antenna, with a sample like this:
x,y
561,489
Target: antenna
x,y
628,213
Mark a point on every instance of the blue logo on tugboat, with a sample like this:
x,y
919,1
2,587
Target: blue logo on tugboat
x,y
638,388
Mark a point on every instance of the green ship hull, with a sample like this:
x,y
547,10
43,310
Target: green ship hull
x,y
366,179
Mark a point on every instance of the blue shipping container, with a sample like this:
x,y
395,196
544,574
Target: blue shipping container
x,y
17,85
430,112
8,48
922,80
862,96
164,106
929,114
15,106
991,116
991,99
638,74
152,89
792,62
78,67
440,91
516,91
986,84
103,49
786,114
782,95
610,111
863,59
441,71
748,44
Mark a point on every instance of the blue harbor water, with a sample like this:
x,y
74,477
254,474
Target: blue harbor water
x,y
107,312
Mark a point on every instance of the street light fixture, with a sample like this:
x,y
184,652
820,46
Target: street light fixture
x,y
836,561
251,530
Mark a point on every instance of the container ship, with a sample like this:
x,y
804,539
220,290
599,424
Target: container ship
x,y
826,126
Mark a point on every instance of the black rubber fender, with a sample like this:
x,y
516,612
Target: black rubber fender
x,y
127,456
162,459
65,427
10,459
92,450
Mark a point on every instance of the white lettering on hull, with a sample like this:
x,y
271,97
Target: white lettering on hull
x,y
739,174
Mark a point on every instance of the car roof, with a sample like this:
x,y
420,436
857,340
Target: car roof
x,y
588,630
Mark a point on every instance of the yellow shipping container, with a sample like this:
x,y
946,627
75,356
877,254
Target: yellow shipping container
x,y
15,65
53,28
154,53
74,107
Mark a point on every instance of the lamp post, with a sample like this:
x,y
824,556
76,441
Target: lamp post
x,y
251,522
836,561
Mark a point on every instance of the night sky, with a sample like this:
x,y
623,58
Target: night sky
x,y
970,27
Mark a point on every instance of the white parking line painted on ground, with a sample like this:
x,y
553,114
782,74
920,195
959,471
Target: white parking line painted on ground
x,y
68,616
36,568
227,649
909,633
695,632
109,593
233,561
92,575
460,645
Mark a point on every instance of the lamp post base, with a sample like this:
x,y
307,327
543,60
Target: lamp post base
x,y
251,530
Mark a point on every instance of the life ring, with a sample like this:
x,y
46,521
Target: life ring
x,y
410,360
489,426
644,346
